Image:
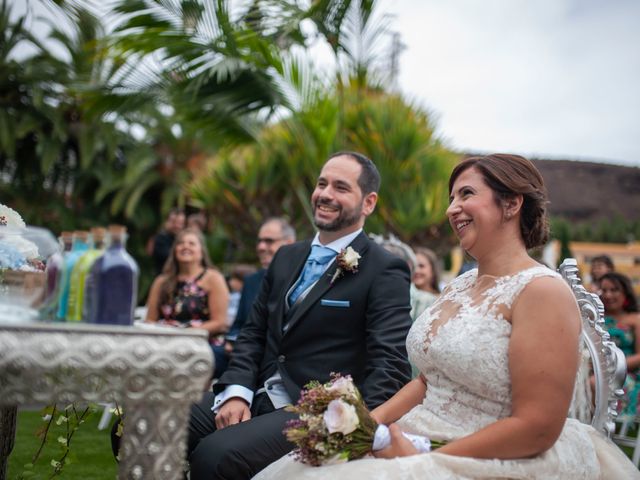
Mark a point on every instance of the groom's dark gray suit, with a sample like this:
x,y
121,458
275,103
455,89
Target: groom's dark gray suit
x,y
357,326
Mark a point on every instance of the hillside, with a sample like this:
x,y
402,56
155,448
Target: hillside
x,y
584,191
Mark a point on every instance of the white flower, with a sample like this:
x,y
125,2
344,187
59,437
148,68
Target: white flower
x,y
347,261
351,258
344,386
10,218
340,417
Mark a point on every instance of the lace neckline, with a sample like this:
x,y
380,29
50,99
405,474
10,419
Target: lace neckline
x,y
481,298
508,276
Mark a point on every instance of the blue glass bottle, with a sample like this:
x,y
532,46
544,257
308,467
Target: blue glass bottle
x,y
79,246
115,282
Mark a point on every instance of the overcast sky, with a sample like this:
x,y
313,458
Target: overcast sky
x,y
546,78
551,78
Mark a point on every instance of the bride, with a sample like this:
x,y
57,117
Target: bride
x,y
498,354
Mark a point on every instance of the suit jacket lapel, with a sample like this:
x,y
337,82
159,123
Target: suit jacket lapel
x,y
360,245
294,273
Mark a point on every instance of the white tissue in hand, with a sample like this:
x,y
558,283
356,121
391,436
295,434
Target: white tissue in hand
x,y
382,439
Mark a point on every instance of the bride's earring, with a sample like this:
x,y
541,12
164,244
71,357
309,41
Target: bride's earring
x,y
509,206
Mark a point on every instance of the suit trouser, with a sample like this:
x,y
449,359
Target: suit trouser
x,y
239,451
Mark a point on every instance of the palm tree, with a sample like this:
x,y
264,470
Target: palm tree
x,y
61,143
214,70
39,147
357,35
276,175
24,112
349,111
217,77
413,162
217,74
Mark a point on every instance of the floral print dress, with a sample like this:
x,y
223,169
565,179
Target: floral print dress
x,y
190,302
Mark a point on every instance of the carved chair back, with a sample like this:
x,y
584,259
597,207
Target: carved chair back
x,y
607,361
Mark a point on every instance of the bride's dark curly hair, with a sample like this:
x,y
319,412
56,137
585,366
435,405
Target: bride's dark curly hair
x,y
508,176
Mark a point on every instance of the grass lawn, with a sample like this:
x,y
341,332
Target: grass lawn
x,y
91,451
91,457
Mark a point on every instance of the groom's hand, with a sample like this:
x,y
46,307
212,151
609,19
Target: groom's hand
x,y
233,411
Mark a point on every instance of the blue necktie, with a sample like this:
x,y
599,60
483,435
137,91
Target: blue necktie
x,y
316,265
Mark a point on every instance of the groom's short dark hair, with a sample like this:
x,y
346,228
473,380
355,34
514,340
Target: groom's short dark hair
x,y
369,179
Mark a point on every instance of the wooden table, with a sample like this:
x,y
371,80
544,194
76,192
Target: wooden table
x,y
154,373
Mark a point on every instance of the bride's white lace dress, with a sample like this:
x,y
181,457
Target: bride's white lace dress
x,y
461,346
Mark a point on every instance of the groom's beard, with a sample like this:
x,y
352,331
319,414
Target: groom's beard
x,y
345,218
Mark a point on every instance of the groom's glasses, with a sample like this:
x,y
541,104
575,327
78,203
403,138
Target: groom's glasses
x,y
268,241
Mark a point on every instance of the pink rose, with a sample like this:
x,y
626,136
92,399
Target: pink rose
x,y
341,417
343,386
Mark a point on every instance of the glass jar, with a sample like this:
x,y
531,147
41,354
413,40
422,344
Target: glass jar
x,y
30,267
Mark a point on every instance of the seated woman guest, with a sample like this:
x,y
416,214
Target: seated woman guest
x,y
494,384
425,276
622,321
189,292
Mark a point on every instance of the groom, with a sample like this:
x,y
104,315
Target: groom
x,y
309,320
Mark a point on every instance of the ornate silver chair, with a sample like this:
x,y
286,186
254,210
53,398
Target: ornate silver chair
x,y
608,364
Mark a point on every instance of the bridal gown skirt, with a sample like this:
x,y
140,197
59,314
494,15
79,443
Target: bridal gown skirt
x,y
579,453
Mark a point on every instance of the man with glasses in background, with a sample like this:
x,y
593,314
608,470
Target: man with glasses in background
x,y
274,233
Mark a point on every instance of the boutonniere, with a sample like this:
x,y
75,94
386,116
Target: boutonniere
x,y
347,261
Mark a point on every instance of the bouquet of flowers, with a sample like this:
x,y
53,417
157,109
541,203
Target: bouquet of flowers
x,y
334,425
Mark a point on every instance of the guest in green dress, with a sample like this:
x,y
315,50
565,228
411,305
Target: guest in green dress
x,y
622,321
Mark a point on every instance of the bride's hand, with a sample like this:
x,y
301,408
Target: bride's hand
x,y
400,445
375,414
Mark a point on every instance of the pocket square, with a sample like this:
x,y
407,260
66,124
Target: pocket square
x,y
335,303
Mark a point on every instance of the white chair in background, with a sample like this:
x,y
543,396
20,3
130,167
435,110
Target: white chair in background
x,y
624,439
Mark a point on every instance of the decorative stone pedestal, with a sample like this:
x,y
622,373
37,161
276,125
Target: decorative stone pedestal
x,y
154,373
